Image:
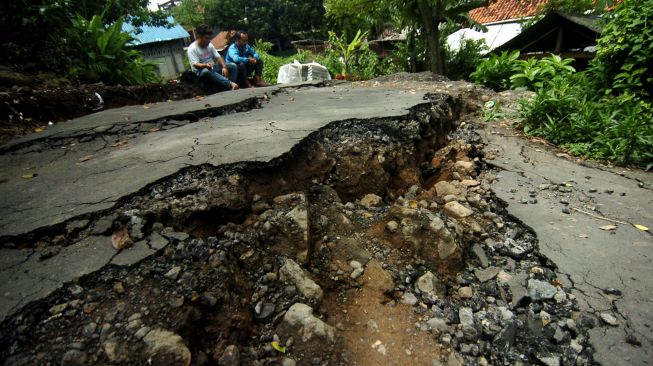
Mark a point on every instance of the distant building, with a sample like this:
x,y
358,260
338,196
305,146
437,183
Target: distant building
x,y
168,4
163,45
502,19
221,40
566,35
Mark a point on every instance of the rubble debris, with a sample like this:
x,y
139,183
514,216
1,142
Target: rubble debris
x,y
242,257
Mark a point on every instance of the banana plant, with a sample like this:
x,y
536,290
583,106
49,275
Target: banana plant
x,y
347,50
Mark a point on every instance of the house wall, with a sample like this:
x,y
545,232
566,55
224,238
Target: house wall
x,y
169,55
496,35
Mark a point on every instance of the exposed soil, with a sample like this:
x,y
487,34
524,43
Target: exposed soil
x,y
385,228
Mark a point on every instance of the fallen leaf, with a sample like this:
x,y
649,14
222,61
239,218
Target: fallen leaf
x,y
155,129
412,204
120,143
641,227
199,97
278,347
608,227
146,107
38,129
207,105
28,176
556,282
85,158
120,238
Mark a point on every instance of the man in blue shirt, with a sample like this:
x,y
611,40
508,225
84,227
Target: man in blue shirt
x,y
203,56
247,61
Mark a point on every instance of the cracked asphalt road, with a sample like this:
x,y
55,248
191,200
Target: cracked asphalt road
x,y
79,168
94,171
610,271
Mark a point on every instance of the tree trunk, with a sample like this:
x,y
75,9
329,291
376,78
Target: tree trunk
x,y
430,26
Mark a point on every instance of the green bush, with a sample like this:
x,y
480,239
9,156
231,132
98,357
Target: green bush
x,y
604,112
460,63
105,54
532,73
624,53
495,71
567,112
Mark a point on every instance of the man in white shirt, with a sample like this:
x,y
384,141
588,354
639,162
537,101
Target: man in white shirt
x,y
203,57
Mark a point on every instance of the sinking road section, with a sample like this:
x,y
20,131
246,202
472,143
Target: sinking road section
x,y
44,185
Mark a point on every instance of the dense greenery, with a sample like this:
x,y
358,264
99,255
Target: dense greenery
x,y
425,16
36,33
604,112
460,63
353,58
107,55
272,20
495,71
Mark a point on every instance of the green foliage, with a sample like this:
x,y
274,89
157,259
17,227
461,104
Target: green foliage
x,y
625,50
495,71
460,63
492,112
617,129
507,71
424,15
267,19
604,112
105,54
187,14
37,34
345,49
354,58
352,15
532,73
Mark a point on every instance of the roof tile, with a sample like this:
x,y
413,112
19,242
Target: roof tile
x,y
506,9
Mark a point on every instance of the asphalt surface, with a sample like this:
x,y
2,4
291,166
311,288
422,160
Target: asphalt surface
x,y
609,271
87,165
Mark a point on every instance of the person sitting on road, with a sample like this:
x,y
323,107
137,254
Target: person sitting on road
x,y
247,61
203,56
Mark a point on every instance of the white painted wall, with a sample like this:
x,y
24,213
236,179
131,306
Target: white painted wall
x,y
497,34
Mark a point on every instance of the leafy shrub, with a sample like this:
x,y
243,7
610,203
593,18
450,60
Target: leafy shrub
x,y
566,112
625,50
604,112
495,71
532,73
460,63
107,55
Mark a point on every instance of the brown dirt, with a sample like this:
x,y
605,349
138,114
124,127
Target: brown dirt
x,y
375,329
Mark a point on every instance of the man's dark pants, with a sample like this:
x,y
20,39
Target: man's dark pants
x,y
246,68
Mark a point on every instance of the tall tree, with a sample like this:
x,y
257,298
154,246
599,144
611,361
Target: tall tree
x,y
269,19
427,15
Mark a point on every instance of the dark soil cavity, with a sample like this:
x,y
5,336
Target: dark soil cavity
x,y
23,109
372,242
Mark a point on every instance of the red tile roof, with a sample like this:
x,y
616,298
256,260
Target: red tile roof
x,y
506,9
221,41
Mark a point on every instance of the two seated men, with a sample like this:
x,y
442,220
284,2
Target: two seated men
x,y
240,62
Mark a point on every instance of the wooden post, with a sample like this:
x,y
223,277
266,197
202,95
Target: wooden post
x,y
558,49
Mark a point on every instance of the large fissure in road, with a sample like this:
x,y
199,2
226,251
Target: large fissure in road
x,y
372,242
